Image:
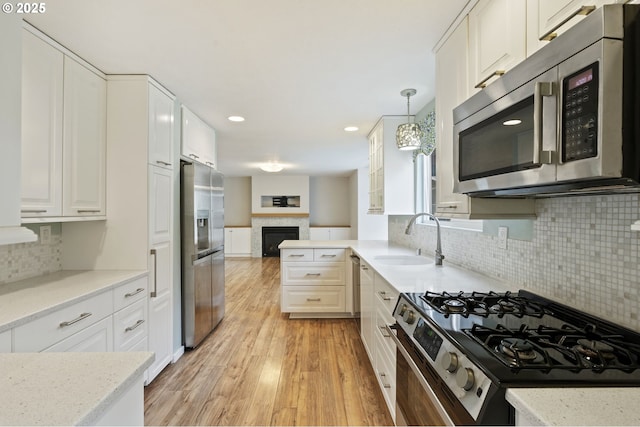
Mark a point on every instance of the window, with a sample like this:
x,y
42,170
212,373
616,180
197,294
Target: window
x,y
425,184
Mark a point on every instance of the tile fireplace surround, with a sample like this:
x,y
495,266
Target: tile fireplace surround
x,y
257,222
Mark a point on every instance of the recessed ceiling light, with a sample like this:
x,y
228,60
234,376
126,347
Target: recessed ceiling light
x,y
236,118
351,128
512,122
271,167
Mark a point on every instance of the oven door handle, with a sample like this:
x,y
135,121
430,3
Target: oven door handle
x,y
416,371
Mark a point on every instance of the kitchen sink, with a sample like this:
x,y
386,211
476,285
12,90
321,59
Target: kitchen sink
x,y
402,260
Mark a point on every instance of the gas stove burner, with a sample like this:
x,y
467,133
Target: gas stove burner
x,y
504,306
592,349
518,349
454,306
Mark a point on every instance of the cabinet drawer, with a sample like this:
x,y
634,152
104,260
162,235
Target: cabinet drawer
x,y
386,294
313,273
5,341
129,293
95,338
386,372
329,299
327,254
130,326
382,319
296,255
54,327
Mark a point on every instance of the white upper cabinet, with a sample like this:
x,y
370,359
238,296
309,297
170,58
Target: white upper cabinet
x,y
390,170
84,141
496,39
161,122
42,101
198,139
64,134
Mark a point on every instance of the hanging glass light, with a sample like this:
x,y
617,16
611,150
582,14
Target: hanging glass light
x,y
409,135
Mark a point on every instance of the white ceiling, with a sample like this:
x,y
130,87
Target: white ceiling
x,y
298,70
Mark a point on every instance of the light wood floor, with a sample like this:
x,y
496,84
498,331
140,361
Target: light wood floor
x,y
260,368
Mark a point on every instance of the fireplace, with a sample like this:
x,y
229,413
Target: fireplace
x,y
273,236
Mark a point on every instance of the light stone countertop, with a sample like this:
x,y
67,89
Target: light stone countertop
x,y
577,406
29,299
539,406
65,388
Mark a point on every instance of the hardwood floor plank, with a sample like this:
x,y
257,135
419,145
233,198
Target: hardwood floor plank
x,y
258,367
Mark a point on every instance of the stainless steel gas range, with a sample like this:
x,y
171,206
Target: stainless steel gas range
x,y
458,353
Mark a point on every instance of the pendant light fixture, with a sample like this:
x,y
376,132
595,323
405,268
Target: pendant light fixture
x,y
409,135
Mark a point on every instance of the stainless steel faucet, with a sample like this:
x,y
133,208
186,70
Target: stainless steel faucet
x,y
439,256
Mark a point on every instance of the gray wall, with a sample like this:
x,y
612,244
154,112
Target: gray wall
x,y
329,201
237,201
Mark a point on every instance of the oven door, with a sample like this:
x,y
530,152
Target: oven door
x,y
511,142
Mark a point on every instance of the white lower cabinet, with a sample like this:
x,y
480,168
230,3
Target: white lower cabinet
x,y
313,280
127,410
237,241
95,338
5,341
329,233
377,301
160,314
130,326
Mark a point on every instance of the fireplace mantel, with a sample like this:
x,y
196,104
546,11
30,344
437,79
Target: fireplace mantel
x,y
276,215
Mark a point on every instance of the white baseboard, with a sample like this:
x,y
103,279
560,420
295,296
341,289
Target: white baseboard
x,y
177,354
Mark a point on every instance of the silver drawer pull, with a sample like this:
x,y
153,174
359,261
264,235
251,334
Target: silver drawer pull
x,y
296,255
131,328
210,164
383,376
551,34
314,299
76,320
33,210
382,294
328,256
313,274
193,156
160,162
364,267
483,83
384,329
88,210
136,292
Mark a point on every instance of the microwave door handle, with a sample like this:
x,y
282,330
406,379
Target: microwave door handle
x,y
541,90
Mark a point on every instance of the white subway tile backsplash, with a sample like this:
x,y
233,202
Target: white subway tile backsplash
x,y
583,253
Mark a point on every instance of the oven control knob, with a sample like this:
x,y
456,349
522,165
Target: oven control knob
x,y
465,378
449,362
409,317
403,309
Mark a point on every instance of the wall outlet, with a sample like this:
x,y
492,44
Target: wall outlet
x,y
45,234
503,233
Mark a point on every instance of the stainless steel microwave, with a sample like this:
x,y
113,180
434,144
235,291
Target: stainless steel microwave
x,y
566,120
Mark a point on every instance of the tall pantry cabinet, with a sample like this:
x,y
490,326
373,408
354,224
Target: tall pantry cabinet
x,y
138,233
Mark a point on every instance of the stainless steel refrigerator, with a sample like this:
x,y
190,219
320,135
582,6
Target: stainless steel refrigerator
x,y
202,224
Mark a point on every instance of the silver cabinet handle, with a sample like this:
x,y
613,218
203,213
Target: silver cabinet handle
x,y
382,295
551,34
328,256
88,210
314,299
364,267
209,163
76,320
296,255
384,329
161,162
136,292
193,156
483,83
154,293
313,274
448,206
383,376
135,325
33,210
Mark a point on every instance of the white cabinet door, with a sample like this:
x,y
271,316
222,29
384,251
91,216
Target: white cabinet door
x,y
340,233
160,204
319,233
95,338
497,39
160,308
367,310
240,241
84,141
545,19
198,139
451,90
160,128
42,103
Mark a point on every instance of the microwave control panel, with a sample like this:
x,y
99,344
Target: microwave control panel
x,y
580,114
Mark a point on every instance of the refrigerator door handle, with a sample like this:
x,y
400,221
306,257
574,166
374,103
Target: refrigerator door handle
x,y
154,293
